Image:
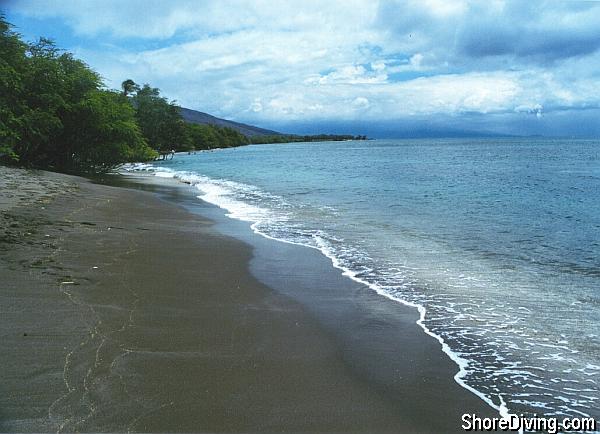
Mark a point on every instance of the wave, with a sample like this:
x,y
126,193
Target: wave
x,y
480,365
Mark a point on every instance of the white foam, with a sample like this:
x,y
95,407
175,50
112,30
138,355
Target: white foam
x,y
222,193
135,167
461,362
239,201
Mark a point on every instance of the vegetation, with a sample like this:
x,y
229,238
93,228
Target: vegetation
x,y
159,120
212,136
287,138
55,113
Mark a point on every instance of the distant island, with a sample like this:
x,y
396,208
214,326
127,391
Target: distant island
x,y
57,114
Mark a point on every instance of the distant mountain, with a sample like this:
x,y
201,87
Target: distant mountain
x,y
196,117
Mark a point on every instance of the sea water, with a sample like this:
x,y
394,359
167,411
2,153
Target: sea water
x,y
495,241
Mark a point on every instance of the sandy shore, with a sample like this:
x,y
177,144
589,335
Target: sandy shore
x,y
122,311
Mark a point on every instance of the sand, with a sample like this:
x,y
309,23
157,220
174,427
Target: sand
x,y
124,311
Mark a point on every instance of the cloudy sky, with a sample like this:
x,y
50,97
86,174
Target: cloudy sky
x,y
382,68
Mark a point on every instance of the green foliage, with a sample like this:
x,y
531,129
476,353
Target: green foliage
x,y
54,84
160,120
129,86
104,133
213,136
165,130
201,137
55,114
12,64
287,138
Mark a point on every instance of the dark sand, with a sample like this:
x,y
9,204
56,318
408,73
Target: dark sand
x,y
121,311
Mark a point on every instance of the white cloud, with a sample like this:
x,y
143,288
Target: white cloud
x,y
535,109
161,19
280,61
256,106
378,65
360,103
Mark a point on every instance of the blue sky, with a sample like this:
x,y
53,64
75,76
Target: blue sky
x,y
382,68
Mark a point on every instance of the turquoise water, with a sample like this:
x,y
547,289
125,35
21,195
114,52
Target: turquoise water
x,y
497,241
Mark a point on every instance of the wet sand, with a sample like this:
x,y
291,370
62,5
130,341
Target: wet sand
x,y
122,310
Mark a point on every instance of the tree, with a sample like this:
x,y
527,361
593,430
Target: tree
x,y
12,107
160,120
201,137
213,136
55,114
55,82
107,133
129,86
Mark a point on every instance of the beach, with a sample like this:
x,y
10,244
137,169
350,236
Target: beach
x,y
125,309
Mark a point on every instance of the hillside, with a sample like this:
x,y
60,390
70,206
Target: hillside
x,y
197,117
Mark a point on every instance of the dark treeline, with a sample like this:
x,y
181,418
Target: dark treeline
x,y
164,128
288,138
57,114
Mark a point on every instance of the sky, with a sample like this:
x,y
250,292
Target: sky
x,y
382,68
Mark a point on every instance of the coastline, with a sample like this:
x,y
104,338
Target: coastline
x,y
182,327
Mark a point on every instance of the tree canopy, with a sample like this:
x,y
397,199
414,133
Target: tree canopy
x,y
55,112
160,120
165,130
129,86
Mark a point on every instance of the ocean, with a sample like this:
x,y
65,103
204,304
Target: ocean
x,y
495,241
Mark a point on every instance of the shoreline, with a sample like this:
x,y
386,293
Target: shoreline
x,y
147,179
182,327
296,280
